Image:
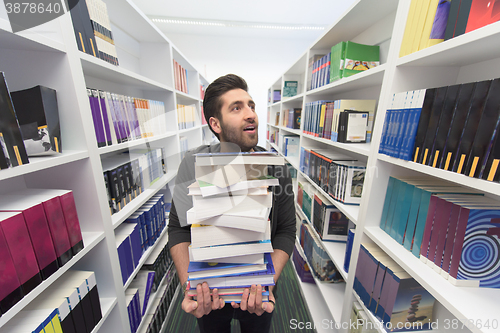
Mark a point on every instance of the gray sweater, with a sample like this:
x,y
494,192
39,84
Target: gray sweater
x,y
282,214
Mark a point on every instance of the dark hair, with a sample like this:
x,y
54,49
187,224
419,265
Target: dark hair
x,y
212,102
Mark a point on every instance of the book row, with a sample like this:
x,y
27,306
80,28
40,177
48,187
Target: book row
x,y
93,29
301,266
343,60
181,78
320,263
339,175
445,225
328,221
159,309
346,121
186,116
432,21
128,174
133,239
158,262
39,232
71,306
29,124
390,293
457,128
292,118
119,118
136,300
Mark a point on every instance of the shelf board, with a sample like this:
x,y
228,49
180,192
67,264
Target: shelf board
x,y
163,236
101,69
107,305
329,294
369,78
291,130
183,95
459,51
185,130
130,208
134,143
27,40
41,163
479,304
276,126
336,250
293,98
358,148
90,240
351,211
462,180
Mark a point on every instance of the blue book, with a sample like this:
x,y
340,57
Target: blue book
x,y
412,218
348,250
413,121
405,99
402,212
383,138
377,287
200,270
392,205
124,256
420,224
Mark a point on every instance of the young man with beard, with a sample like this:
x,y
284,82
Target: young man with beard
x,y
230,113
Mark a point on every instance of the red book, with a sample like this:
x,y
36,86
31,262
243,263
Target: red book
x,y
72,222
10,287
428,228
483,12
38,228
22,253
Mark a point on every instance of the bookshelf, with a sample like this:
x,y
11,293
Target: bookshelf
x,y
466,58
48,55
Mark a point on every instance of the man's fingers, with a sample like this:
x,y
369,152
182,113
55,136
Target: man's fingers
x,y
207,301
215,299
244,300
235,305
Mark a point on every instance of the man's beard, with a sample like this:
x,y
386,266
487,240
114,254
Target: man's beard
x,y
233,135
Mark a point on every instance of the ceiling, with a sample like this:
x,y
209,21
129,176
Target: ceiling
x,y
277,12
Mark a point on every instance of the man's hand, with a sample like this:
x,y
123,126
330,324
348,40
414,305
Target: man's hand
x,y
251,301
204,303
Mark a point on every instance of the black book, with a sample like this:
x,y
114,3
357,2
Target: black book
x,y
296,118
432,125
425,114
444,124
489,169
463,17
470,126
9,127
455,129
485,130
78,26
354,125
108,192
452,19
4,161
38,116
342,127
115,190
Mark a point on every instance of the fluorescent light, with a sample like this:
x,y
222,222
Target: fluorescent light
x,y
234,24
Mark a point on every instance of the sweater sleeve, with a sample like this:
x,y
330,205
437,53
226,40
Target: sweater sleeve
x,y
284,238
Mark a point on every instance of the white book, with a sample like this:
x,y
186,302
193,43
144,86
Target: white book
x,y
209,235
253,219
256,158
229,174
256,259
250,187
213,206
213,253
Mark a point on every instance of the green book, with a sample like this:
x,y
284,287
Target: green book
x,y
360,57
337,61
290,88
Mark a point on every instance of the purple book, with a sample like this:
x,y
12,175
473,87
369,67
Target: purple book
x,y
105,119
72,223
96,117
19,242
135,118
428,227
114,117
442,216
120,118
450,238
10,287
147,292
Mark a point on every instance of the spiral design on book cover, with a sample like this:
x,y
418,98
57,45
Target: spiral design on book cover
x,y
480,258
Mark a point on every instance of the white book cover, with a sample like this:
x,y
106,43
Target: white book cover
x,y
209,235
213,253
238,217
213,206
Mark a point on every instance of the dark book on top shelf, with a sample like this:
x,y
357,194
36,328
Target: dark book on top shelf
x,y
423,120
485,129
482,12
10,133
462,17
38,116
471,124
443,125
460,115
82,26
489,169
452,19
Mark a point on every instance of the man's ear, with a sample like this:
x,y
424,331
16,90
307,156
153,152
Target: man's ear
x,y
215,124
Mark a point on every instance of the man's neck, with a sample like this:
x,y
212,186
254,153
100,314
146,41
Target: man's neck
x,y
229,147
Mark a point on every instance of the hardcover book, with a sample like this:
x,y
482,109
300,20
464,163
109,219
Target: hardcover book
x,y
38,116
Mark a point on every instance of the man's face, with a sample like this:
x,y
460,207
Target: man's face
x,y
239,122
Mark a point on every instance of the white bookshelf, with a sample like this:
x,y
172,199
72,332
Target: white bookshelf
x,y
48,55
470,57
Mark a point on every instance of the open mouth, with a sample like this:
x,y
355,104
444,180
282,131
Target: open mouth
x,y
249,128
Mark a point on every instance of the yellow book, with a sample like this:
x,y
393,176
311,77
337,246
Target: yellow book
x,y
419,24
429,20
407,34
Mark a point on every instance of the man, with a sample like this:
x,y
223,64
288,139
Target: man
x,y
230,114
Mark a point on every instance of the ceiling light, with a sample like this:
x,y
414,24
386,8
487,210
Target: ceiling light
x,y
235,24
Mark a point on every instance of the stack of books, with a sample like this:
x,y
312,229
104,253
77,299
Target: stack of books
x,y
186,116
230,229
